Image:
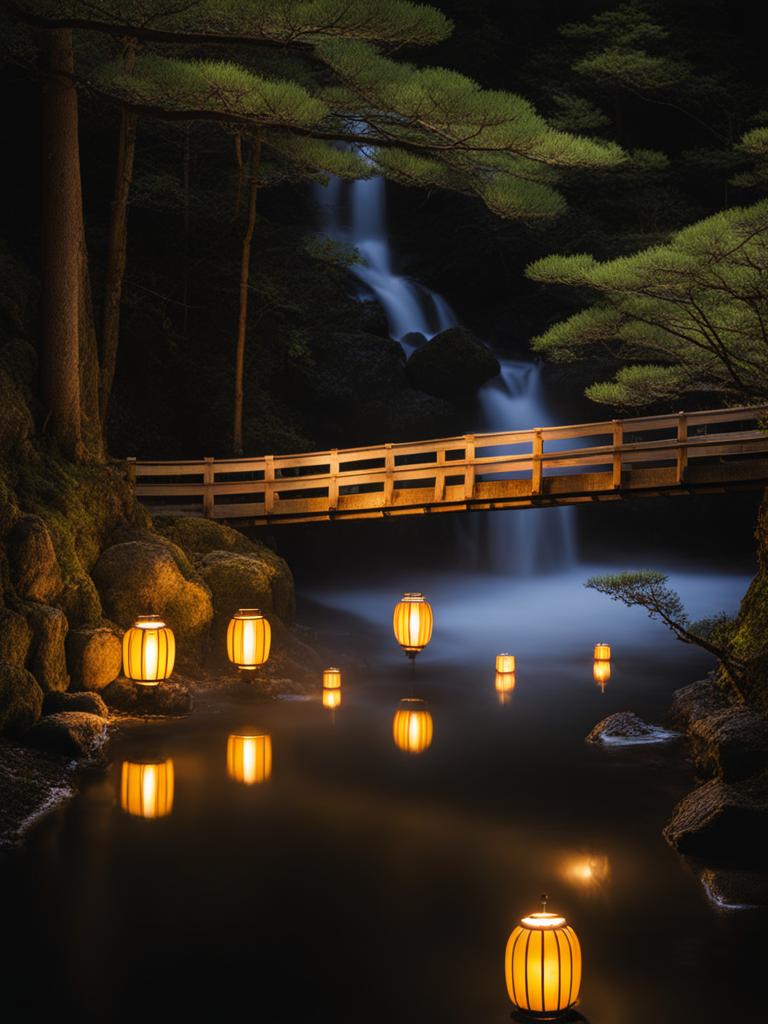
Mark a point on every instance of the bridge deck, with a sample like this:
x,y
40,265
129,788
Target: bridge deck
x,y
645,456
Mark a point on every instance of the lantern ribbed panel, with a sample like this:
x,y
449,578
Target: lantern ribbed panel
x,y
249,758
331,678
602,652
149,654
412,623
146,788
249,638
505,663
543,968
412,726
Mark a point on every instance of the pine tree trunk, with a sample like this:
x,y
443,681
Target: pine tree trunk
x,y
116,261
90,417
62,243
245,273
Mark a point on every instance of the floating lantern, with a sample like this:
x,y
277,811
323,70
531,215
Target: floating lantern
x,y
602,652
249,637
412,726
412,623
601,671
505,684
249,757
331,698
331,678
505,663
149,651
146,788
542,965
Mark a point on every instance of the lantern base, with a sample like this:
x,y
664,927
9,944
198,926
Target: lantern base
x,y
569,1016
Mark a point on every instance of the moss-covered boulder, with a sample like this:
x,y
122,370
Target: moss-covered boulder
x,y
94,657
248,581
47,657
137,577
75,733
21,699
452,365
198,536
170,698
35,571
15,638
91,703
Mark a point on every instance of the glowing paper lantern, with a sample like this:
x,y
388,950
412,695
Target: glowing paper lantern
x,y
412,726
602,652
505,684
505,663
412,623
249,757
146,788
249,637
331,678
149,651
542,965
601,671
331,698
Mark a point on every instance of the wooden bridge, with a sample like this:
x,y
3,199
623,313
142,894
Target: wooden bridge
x,y
646,456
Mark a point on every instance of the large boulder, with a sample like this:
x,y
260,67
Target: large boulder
x,y
624,728
722,821
138,577
169,698
34,566
198,536
15,638
731,743
90,702
697,700
75,733
47,658
248,581
452,365
736,889
94,657
21,699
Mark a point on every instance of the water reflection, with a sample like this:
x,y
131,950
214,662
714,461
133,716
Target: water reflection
x,y
412,726
586,870
331,698
505,684
146,788
249,757
601,673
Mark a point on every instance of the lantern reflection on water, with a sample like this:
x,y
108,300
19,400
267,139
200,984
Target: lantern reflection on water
x,y
146,788
602,652
412,726
249,637
149,651
542,965
249,757
586,870
331,698
601,672
505,684
412,623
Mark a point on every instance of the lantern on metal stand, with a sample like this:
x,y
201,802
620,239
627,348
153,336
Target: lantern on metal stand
x,y
412,623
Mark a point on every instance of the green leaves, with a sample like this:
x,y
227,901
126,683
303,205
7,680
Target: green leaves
x,y
646,588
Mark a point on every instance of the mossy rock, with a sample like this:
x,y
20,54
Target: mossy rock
x,y
21,699
200,536
452,365
169,698
73,733
260,580
47,658
137,577
15,638
94,657
35,571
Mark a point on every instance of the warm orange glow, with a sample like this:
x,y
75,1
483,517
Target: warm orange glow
x,y
412,726
149,651
332,678
249,637
249,757
602,652
505,684
601,671
331,698
505,663
146,788
586,870
542,964
412,623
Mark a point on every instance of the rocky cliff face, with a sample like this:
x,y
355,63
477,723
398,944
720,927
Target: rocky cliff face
x,y
750,640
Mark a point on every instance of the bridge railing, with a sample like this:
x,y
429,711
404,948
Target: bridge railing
x,y
446,472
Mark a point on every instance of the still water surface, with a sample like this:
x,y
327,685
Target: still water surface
x,y
362,883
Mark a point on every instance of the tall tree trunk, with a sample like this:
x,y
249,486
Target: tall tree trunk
x,y
116,260
62,243
90,417
245,273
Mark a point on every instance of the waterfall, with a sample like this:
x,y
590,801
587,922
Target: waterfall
x,y
523,542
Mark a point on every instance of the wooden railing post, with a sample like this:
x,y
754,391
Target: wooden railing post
x,y
618,440
208,476
682,451
269,483
389,474
333,482
131,470
469,470
537,450
440,476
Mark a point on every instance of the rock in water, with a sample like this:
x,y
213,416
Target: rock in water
x,y
74,733
89,702
736,890
731,743
624,728
452,365
722,821
696,701
169,698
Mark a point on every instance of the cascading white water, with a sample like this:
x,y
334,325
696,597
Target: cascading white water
x,y
522,542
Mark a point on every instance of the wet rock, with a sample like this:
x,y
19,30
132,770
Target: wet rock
x,y
32,558
415,339
21,699
731,743
736,890
47,659
720,821
696,701
94,657
452,365
92,703
625,728
15,638
72,733
137,577
32,783
169,698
